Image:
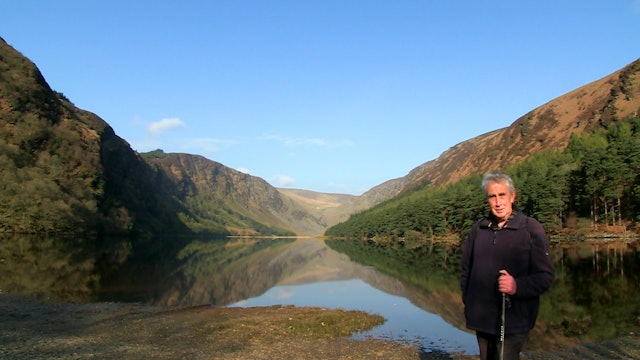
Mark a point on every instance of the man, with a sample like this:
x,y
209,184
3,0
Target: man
x,y
505,253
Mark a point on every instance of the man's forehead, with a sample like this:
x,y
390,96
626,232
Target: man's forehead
x,y
497,188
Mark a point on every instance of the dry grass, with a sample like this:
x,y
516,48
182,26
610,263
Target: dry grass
x,y
31,330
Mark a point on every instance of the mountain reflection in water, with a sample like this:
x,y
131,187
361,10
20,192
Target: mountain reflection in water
x,y
305,272
595,295
404,320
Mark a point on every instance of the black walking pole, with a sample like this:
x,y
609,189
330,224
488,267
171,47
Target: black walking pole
x,y
501,334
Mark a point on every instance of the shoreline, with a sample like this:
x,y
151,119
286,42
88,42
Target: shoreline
x,y
38,330
31,329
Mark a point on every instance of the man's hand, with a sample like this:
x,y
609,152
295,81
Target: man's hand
x,y
506,283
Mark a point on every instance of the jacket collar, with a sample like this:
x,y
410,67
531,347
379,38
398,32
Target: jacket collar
x,y
490,221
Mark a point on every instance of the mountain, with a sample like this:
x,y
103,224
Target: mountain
x,y
241,203
228,278
64,170
324,205
550,126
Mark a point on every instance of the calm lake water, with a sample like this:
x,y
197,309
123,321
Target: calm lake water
x,y
596,294
404,320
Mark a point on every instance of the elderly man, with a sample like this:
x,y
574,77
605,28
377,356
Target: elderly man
x,y
505,268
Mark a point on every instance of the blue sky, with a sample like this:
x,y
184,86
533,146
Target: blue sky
x,y
329,96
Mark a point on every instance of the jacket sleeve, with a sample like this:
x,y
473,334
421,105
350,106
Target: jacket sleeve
x,y
467,256
541,273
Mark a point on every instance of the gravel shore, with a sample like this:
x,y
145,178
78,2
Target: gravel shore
x,y
36,330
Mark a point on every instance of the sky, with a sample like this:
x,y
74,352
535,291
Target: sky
x,y
333,96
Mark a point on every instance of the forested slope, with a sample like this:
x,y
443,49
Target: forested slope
x,y
591,186
575,161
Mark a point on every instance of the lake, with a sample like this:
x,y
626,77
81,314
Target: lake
x,y
404,320
595,296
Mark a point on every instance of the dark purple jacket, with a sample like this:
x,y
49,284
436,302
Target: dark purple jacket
x,y
521,247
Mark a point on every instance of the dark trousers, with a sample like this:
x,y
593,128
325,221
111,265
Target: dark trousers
x,y
490,349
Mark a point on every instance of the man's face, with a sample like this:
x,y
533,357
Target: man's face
x,y
500,200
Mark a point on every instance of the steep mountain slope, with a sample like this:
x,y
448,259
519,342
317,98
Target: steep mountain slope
x,y
65,170
550,126
238,200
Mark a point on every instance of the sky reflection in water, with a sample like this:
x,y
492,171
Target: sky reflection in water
x,y
405,321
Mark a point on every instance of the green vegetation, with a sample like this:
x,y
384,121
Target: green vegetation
x,y
205,196
65,171
592,186
325,323
594,295
595,181
49,178
223,269
207,214
70,185
53,268
426,266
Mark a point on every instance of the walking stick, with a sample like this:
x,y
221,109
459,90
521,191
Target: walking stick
x,y
501,334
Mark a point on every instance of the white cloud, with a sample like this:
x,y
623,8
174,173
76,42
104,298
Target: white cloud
x,y
165,125
283,180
